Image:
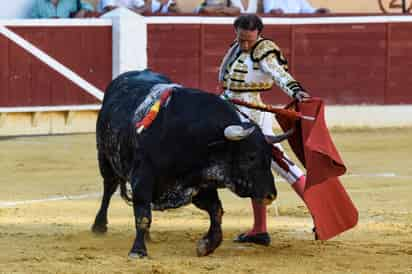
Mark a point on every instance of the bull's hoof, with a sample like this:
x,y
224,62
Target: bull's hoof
x,y
139,254
203,247
206,246
99,228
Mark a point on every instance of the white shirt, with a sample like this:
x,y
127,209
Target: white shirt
x,y
288,6
121,3
251,8
156,6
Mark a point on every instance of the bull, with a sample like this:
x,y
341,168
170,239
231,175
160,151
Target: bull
x,y
197,144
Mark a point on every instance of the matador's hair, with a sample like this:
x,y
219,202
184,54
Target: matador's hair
x,y
249,22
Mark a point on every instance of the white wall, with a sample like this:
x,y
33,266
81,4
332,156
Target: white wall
x,y
15,9
129,40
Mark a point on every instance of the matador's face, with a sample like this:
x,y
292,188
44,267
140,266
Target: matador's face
x,y
247,39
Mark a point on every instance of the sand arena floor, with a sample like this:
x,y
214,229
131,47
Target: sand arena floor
x,y
54,236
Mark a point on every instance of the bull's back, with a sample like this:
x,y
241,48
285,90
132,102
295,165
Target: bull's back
x,y
184,128
115,128
124,95
201,107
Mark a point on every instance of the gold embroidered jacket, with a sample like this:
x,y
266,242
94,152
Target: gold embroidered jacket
x,y
256,71
245,75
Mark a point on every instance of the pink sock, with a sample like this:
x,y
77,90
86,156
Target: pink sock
x,y
259,213
299,186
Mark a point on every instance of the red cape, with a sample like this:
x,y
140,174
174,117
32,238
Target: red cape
x,y
332,210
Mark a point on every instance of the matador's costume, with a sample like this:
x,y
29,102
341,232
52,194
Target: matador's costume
x,y
245,75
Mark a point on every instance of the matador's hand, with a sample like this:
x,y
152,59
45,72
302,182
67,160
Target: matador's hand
x,y
301,96
298,91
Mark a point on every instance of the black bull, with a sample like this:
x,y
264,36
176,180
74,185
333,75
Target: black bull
x,y
184,156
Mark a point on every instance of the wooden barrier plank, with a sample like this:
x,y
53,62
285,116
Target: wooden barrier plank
x,y
53,82
4,72
40,80
95,62
180,71
175,51
19,75
79,49
215,41
344,64
97,56
282,36
67,50
79,64
399,64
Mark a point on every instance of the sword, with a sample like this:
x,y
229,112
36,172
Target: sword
x,y
291,114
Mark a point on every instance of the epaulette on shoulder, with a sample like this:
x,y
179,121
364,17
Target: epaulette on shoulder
x,y
262,49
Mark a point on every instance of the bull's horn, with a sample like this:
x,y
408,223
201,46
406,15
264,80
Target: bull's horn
x,y
237,133
279,138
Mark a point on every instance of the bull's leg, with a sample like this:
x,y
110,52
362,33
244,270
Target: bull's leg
x,y
209,200
100,223
142,186
110,183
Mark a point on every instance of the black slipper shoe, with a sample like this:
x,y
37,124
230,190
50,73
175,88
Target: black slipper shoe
x,y
315,233
259,238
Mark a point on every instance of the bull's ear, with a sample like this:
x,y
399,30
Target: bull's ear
x,y
237,133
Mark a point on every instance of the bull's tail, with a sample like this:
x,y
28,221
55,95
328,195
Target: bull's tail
x,y
125,193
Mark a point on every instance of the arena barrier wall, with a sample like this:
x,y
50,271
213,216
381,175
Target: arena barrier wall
x,y
358,64
53,72
52,68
